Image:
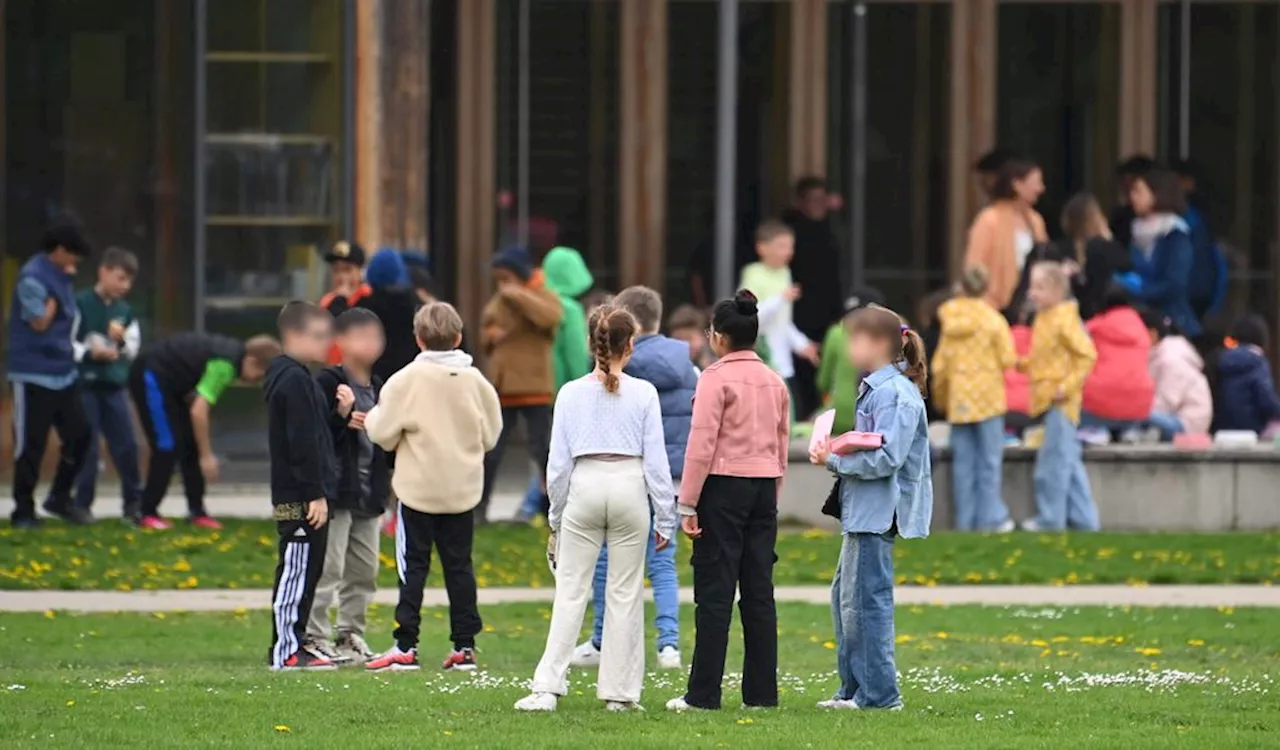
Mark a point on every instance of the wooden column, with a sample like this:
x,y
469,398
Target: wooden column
x,y
807,108
642,192
368,135
974,35
406,103
1138,74
475,156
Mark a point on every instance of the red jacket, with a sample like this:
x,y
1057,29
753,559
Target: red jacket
x,y
1120,385
1017,386
337,304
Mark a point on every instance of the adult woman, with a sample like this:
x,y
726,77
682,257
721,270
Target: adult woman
x,y
1161,248
1093,256
607,468
736,455
1004,233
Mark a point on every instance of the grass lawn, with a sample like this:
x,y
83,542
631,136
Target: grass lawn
x,y
111,556
972,678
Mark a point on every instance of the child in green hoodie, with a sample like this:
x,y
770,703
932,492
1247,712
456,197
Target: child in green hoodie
x,y
837,378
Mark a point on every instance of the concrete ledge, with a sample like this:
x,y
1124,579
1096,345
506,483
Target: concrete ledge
x,y
1137,488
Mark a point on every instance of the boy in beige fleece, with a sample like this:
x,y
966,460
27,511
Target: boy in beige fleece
x,y
440,416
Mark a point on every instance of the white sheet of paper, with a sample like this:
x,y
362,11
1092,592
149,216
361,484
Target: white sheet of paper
x,y
822,427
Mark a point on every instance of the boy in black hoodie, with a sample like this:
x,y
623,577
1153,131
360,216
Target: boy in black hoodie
x,y
303,479
351,560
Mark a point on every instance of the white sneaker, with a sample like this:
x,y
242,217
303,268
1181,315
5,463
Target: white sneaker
x,y
1031,525
354,648
1007,526
538,702
669,658
679,705
325,648
622,706
838,704
587,655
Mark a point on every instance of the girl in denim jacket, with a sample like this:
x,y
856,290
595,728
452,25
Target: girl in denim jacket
x,y
884,493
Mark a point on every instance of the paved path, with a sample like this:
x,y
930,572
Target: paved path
x,y
1030,596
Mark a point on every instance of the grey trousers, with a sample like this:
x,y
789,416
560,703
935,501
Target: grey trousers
x,y
350,574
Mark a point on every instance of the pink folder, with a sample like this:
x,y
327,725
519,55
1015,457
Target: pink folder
x,y
845,443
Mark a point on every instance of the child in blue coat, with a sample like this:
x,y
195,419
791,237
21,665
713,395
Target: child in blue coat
x,y
1247,397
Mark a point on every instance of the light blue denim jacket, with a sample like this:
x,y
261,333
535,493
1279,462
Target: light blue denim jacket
x,y
895,479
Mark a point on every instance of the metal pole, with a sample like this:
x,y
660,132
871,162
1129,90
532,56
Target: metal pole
x,y
726,147
347,144
198,197
858,147
1184,83
522,130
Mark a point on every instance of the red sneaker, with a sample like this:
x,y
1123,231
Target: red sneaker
x,y
206,522
154,522
389,528
462,660
394,660
306,658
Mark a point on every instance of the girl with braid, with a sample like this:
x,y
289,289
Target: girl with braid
x,y
606,474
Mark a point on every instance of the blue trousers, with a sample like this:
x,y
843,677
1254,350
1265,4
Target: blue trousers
x,y
660,567
1063,497
109,416
1168,424
862,611
977,458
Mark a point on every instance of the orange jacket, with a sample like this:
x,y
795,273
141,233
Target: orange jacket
x,y
337,304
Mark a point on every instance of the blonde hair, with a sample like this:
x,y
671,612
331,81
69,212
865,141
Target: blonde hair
x,y
262,349
1054,272
974,281
438,326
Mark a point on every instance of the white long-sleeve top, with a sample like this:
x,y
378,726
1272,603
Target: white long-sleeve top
x,y
589,420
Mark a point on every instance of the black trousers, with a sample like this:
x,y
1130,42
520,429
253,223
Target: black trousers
x,y
298,571
804,389
739,520
35,411
452,536
537,422
166,421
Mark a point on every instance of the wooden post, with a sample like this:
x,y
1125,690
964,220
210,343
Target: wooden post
x,y
807,108
1138,74
475,156
166,277
368,135
405,104
643,143
974,35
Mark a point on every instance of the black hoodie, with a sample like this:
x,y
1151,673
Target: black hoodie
x,y
346,443
303,465
395,307
816,267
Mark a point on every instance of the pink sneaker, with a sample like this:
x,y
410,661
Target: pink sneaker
x,y
154,522
389,528
206,522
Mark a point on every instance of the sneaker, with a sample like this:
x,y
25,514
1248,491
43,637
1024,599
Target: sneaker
x,y
586,655
1031,525
205,522
1006,526
25,522
460,660
538,702
353,647
66,511
325,648
838,704
394,660
154,522
131,514
680,705
622,706
306,659
669,658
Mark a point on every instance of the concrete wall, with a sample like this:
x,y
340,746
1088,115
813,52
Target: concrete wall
x,y
1147,488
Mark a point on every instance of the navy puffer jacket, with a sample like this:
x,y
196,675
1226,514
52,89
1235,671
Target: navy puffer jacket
x,y
665,363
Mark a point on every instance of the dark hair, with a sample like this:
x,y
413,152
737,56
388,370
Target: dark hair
x,y
612,329
1135,166
1164,185
808,183
66,233
1115,296
738,320
772,230
905,345
296,315
1157,321
421,280
118,257
993,160
1186,168
687,316
1075,221
1011,171
643,303
1251,330
355,317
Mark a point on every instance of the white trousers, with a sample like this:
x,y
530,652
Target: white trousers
x,y
608,501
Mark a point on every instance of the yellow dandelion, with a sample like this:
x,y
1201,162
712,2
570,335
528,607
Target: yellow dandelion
x,y
1196,642
829,645
50,614
282,728
70,704
1148,651
744,721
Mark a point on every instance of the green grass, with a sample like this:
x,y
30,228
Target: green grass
x,y
972,678
110,556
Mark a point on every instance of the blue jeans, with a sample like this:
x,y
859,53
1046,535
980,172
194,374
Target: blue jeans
x,y
1168,424
977,457
108,414
660,567
862,610
1063,497
535,500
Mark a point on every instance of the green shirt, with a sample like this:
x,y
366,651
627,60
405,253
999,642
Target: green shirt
x,y
218,375
96,314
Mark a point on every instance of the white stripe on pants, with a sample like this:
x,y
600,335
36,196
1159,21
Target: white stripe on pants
x,y
608,501
19,419
288,596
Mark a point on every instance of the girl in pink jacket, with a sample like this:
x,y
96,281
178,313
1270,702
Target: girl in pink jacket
x,y
1183,400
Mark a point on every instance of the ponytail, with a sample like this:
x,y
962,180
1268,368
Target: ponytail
x,y
905,345
612,329
913,354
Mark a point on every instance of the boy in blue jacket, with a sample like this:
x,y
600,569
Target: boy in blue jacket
x,y
665,363
1247,398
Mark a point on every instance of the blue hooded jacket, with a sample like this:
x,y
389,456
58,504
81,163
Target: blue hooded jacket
x,y
665,363
1163,278
1247,397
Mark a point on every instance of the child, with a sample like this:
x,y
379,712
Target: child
x,y
1247,397
174,383
1118,392
394,301
1060,359
770,281
663,362
304,477
974,350
347,287
607,477
688,324
1183,401
734,462
1094,257
440,416
838,379
351,560
884,493
519,324
108,340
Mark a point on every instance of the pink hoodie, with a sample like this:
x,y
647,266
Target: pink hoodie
x,y
1181,387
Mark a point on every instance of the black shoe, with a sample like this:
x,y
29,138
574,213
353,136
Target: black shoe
x,y
131,514
25,522
68,512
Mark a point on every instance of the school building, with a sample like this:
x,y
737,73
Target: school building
x,y
228,142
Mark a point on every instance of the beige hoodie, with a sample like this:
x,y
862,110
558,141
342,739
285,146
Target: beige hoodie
x,y
440,416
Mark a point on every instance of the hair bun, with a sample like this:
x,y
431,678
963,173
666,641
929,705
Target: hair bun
x,y
745,302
